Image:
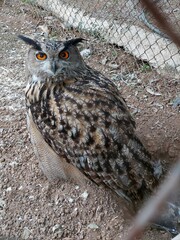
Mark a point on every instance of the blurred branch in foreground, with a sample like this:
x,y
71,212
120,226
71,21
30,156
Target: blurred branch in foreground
x,y
161,20
153,206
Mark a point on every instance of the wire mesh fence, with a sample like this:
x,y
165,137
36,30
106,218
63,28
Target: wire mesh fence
x,y
122,23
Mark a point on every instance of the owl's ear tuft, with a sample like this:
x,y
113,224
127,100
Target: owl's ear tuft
x,y
73,42
31,42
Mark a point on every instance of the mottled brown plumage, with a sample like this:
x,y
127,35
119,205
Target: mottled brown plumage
x,y
85,122
84,119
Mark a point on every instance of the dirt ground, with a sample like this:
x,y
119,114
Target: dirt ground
x,y
30,206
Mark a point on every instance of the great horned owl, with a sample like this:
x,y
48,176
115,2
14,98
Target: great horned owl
x,y
80,124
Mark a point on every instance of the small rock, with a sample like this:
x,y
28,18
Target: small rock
x,y
56,199
2,203
26,233
9,189
56,227
93,226
84,195
49,17
31,197
158,105
2,159
85,53
114,65
13,163
135,111
71,200
176,102
2,165
104,61
75,212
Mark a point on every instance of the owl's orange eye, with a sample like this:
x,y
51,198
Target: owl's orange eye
x,y
41,56
64,54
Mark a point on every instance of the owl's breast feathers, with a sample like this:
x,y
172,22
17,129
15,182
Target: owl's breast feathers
x,y
87,122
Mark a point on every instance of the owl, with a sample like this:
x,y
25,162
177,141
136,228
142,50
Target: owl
x,y
80,125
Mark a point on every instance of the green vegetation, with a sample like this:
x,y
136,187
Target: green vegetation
x,y
145,67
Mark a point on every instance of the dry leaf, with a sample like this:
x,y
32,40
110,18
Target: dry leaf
x,y
151,91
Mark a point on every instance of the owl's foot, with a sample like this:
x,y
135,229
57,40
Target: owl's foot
x,y
170,220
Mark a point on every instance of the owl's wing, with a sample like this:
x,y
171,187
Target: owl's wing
x,y
52,165
88,124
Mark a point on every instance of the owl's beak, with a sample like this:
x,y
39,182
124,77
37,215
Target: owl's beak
x,y
54,67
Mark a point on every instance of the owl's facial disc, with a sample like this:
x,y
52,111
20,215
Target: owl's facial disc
x,y
53,62
57,59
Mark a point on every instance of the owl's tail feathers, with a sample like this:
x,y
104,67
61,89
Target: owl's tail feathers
x,y
169,220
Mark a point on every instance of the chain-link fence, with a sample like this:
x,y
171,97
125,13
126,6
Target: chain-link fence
x,y
123,23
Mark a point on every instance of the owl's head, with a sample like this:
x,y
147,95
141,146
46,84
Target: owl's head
x,y
53,58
